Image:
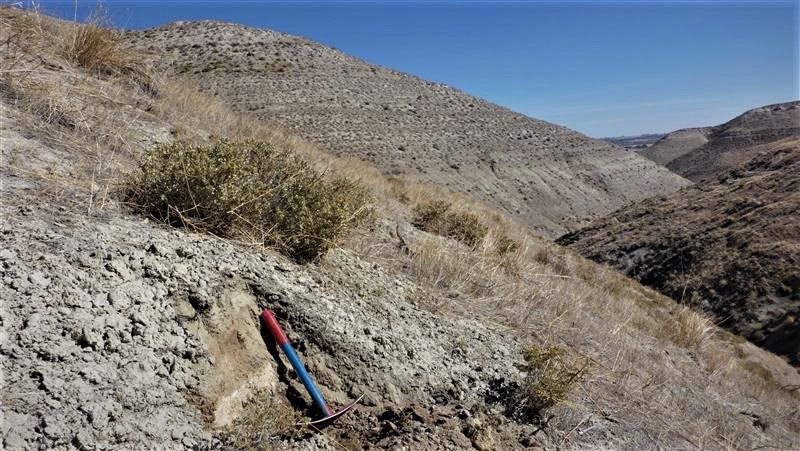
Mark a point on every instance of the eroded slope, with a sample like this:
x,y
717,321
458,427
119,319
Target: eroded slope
x,y
548,176
708,152
118,332
676,144
730,246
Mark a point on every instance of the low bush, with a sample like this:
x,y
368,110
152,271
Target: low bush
x,y
250,190
549,378
438,217
398,189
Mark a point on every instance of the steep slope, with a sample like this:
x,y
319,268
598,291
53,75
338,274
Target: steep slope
x,y
730,246
676,144
705,153
118,332
550,177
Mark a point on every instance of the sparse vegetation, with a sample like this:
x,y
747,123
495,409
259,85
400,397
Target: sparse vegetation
x,y
642,377
95,46
248,189
691,329
264,419
549,377
505,245
439,217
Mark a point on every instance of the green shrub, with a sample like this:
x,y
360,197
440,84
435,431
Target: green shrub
x,y
439,218
248,190
549,377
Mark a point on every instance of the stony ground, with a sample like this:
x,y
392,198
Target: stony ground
x,y
548,176
118,332
728,247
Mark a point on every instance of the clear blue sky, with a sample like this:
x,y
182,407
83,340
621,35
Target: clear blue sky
x,y
617,68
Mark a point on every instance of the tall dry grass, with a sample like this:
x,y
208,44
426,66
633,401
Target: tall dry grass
x,y
691,329
639,345
69,81
92,45
95,46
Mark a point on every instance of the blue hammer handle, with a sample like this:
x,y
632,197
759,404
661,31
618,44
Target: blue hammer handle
x,y
280,338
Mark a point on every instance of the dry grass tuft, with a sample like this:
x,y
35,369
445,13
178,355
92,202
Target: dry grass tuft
x,y
691,329
549,378
96,47
264,420
92,45
446,266
505,245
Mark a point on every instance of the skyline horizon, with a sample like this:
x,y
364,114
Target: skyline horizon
x,y
613,102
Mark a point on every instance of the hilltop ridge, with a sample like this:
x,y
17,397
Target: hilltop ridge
x,y
708,152
545,175
635,142
676,144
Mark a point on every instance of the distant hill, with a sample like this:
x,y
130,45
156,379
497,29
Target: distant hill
x,y
635,142
677,144
705,153
552,178
729,246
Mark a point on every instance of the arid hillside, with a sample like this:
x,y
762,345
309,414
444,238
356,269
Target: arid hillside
x,y
705,153
121,328
729,247
549,177
676,144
